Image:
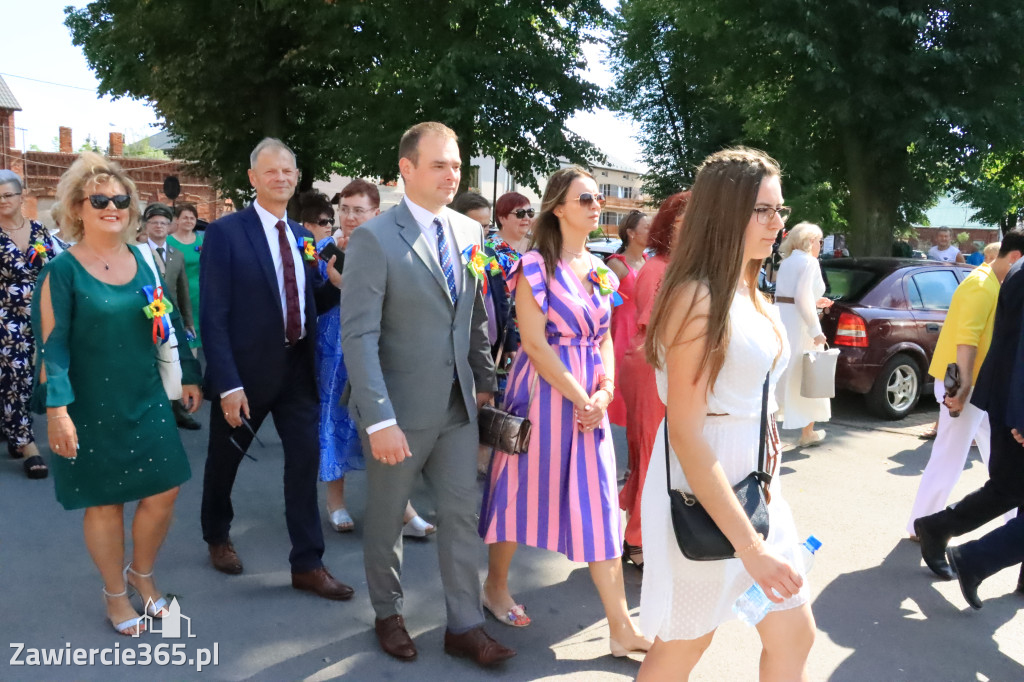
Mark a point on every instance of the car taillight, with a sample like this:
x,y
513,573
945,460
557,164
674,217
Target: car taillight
x,y
851,331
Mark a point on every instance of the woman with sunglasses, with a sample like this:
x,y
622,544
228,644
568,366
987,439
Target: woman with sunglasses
x,y
714,341
25,247
508,244
561,494
190,244
99,318
644,410
799,291
626,263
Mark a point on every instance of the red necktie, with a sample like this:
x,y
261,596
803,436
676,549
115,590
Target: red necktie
x,y
293,328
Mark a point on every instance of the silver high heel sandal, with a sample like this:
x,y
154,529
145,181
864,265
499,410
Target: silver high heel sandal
x,y
157,609
124,627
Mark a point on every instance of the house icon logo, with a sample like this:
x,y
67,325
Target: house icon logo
x,y
175,625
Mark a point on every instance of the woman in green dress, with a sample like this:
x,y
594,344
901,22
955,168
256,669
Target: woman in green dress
x,y
190,243
108,416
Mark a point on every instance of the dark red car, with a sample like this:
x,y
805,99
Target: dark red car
x,y
885,321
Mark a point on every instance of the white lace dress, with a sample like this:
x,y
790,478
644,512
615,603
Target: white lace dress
x,y
683,599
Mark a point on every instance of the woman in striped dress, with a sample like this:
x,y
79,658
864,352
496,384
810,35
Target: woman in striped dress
x,y
561,494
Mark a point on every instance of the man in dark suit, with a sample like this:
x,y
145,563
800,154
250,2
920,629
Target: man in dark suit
x,y
999,392
157,221
261,292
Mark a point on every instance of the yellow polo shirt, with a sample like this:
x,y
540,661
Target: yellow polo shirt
x,y
969,320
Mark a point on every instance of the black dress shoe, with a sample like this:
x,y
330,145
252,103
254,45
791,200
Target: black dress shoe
x,y
933,546
182,418
968,584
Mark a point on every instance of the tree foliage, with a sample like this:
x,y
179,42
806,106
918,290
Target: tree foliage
x,y
340,80
872,106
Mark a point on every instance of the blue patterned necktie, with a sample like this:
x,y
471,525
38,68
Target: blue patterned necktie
x,y
444,255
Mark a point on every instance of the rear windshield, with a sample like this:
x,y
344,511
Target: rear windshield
x,y
848,284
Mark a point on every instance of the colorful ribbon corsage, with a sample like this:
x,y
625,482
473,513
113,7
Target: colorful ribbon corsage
x,y
599,278
308,248
159,310
38,250
479,264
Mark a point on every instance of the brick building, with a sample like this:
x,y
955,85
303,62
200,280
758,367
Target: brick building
x,y
42,170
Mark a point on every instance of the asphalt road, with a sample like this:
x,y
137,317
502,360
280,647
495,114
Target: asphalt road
x,y
880,615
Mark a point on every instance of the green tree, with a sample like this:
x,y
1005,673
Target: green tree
x,y
872,106
90,145
339,81
143,149
994,185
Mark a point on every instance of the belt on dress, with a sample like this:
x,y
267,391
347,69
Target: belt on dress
x,y
571,341
784,299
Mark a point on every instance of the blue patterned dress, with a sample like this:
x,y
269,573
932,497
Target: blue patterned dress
x,y
340,450
18,274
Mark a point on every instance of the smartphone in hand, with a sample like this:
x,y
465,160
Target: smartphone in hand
x,y
331,250
951,382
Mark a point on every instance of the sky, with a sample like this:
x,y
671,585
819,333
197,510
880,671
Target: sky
x,y
40,48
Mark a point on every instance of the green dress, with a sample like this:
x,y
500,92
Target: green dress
x,y
101,362
191,253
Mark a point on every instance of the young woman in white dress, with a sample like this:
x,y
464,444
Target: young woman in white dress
x,y
713,338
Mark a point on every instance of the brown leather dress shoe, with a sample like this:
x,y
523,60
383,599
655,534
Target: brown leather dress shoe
x,y
321,583
477,645
225,559
394,638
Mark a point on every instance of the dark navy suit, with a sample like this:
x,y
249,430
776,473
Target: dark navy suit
x,y
244,340
1000,392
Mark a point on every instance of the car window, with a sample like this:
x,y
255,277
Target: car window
x,y
846,284
932,290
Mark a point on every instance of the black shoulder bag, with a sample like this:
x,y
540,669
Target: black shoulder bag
x,y
698,537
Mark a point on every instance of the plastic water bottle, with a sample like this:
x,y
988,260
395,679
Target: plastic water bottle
x,y
753,605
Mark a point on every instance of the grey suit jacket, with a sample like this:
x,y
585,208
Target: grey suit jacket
x,y
176,280
401,335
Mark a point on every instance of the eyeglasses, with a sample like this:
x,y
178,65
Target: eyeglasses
x,y
9,195
358,211
156,222
521,213
241,431
766,213
324,222
100,201
587,198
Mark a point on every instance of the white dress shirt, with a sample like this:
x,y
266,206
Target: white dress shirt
x,y
269,222
162,263
425,220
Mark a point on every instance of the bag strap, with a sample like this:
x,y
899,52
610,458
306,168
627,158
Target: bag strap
x,y
147,255
762,475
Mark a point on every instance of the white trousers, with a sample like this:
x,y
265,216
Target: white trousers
x,y
949,454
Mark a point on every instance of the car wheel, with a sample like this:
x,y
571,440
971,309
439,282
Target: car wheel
x,y
896,390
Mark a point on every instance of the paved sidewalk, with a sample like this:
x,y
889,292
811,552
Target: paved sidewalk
x,y
880,615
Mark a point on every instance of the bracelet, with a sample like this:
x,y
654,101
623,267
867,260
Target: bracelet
x,y
753,545
59,416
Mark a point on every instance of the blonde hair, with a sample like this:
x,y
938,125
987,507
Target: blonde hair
x,y
91,169
991,251
800,238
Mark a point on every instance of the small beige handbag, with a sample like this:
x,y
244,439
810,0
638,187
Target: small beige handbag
x,y
819,373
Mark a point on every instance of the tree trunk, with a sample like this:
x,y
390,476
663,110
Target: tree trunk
x,y
873,199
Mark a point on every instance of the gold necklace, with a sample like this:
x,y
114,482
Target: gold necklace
x,y
574,254
106,265
19,228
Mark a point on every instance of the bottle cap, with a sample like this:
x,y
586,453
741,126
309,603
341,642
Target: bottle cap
x,y
813,543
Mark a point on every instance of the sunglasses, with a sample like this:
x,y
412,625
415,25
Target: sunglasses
x,y
100,201
241,430
324,222
587,198
523,212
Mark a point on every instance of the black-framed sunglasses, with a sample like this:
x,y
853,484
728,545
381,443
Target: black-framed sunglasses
x,y
521,213
766,213
100,201
587,198
324,222
248,427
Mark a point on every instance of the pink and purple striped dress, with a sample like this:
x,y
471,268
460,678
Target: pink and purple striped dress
x,y
562,494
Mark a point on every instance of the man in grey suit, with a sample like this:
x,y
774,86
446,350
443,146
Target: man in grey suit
x,y
414,334
157,221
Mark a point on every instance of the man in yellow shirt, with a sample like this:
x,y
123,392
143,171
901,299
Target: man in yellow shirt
x,y
964,339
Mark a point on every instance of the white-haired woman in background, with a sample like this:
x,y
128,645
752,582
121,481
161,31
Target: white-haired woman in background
x,y
799,288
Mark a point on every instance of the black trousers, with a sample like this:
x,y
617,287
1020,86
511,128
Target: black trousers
x,y
1003,491
294,406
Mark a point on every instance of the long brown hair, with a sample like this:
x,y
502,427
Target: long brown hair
x,y
547,233
717,215
663,227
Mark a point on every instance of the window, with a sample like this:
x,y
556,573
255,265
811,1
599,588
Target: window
x,y
607,190
604,174
932,290
610,218
625,192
